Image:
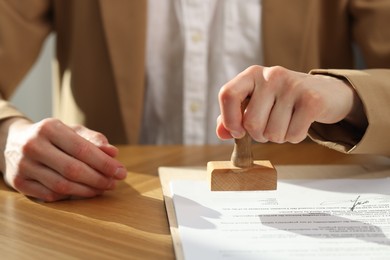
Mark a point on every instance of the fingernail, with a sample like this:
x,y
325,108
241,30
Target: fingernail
x,y
237,135
120,173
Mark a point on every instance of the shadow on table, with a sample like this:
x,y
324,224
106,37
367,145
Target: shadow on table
x,y
123,206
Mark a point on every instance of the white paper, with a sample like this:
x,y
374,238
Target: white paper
x,y
303,219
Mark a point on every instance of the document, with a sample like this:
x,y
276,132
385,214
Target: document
x,y
302,219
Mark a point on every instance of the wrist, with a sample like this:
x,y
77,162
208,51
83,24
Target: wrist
x,y
357,116
6,125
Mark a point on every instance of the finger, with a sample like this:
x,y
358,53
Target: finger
x,y
257,113
109,150
94,137
97,139
231,115
70,168
279,121
232,95
57,183
34,189
221,131
61,185
83,150
299,125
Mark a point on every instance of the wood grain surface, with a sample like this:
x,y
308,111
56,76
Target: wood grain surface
x,y
130,222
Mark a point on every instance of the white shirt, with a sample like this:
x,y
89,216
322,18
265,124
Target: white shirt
x,y
193,48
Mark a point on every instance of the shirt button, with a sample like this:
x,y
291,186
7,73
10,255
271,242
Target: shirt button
x,y
194,107
197,37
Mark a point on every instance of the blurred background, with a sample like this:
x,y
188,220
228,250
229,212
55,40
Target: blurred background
x,y
34,96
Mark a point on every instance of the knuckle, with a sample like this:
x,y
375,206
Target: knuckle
x,y
227,93
273,79
275,73
77,128
47,126
255,130
108,168
62,186
231,89
278,79
251,126
19,183
310,102
72,171
229,123
254,70
50,197
82,150
99,136
310,99
32,146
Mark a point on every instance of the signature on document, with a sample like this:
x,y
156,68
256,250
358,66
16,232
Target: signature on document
x,y
357,202
347,203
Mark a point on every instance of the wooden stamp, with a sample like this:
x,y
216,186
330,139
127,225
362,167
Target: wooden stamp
x,y
241,173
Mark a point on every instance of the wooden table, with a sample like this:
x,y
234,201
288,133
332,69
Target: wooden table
x,y
129,222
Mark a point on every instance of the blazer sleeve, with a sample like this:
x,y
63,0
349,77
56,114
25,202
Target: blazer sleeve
x,y
373,88
371,35
24,25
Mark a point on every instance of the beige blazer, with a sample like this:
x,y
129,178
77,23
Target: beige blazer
x,y
101,58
